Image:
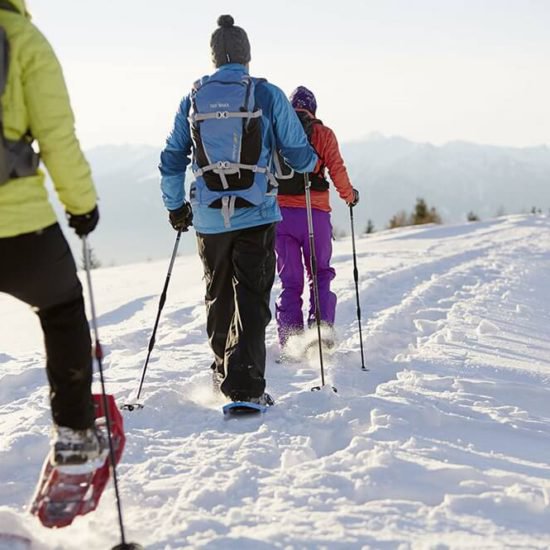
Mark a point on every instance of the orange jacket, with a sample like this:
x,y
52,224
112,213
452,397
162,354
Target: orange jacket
x,y
326,146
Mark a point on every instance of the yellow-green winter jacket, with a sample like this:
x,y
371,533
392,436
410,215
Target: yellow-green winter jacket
x,y
36,100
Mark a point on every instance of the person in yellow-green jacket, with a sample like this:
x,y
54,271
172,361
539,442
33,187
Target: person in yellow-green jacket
x,y
36,263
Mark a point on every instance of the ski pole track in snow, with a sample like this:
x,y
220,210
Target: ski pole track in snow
x,y
440,445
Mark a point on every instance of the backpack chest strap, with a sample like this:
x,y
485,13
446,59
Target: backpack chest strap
x,y
218,115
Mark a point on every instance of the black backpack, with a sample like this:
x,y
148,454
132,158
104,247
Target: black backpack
x,y
17,158
292,183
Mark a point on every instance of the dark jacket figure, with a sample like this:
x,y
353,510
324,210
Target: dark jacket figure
x,y
233,200
37,265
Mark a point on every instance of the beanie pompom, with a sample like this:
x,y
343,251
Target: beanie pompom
x,y
225,21
229,43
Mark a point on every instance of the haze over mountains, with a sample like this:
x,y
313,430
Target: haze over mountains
x,y
390,173
456,178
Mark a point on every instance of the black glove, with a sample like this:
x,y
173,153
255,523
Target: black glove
x,y
355,199
182,218
83,223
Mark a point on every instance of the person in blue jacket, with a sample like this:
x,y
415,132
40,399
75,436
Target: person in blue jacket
x,y
230,127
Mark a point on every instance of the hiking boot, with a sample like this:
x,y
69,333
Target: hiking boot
x,y
242,382
328,335
72,447
265,400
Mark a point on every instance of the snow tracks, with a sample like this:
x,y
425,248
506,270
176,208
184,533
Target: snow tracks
x,y
442,444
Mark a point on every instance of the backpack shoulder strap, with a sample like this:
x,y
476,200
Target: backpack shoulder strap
x,y
308,123
198,84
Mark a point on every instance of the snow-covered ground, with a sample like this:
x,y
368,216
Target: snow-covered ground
x,y
444,443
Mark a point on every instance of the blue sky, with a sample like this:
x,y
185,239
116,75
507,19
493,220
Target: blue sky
x,y
429,70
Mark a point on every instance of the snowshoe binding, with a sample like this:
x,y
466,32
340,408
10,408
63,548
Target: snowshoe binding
x,y
252,405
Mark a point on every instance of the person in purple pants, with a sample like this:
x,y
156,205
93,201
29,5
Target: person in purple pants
x,y
292,235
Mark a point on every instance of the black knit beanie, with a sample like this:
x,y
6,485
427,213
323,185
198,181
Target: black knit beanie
x,y
229,43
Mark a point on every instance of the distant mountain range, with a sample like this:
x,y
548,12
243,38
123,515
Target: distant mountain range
x,y
456,178
390,173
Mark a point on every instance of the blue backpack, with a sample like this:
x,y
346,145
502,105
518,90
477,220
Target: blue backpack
x,y
231,167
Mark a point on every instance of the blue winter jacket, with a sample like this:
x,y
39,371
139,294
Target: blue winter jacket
x,y
279,122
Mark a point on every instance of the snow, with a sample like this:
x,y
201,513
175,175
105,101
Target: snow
x,y
443,443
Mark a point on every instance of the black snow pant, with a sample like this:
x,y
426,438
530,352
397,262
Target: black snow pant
x,y
39,269
239,270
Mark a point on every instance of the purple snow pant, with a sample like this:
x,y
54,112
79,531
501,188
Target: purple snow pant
x,y
293,254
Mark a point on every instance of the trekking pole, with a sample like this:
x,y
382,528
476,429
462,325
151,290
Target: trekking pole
x,y
313,269
356,278
98,354
136,404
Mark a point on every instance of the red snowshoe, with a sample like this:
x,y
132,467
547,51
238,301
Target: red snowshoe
x,y
65,492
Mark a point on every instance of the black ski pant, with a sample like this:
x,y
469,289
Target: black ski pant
x,y
39,269
239,270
